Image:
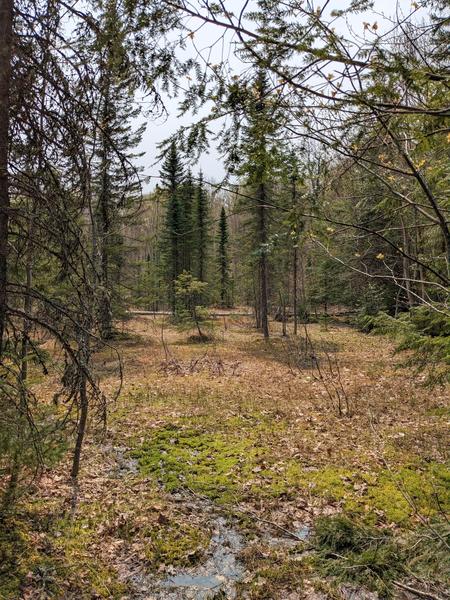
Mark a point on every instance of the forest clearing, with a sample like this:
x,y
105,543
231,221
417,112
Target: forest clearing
x,y
224,300
234,441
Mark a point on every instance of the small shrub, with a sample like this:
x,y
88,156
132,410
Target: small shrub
x,y
424,331
190,312
355,553
371,301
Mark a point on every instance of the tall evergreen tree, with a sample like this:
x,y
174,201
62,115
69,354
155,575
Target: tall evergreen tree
x,y
6,54
116,183
187,198
260,150
172,175
201,229
295,226
223,261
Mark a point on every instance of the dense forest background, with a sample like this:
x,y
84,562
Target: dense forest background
x,y
331,125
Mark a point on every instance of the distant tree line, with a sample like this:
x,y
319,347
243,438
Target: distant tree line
x,y
191,236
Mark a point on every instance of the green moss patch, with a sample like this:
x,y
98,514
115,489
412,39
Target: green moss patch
x,y
54,555
331,483
177,544
220,460
236,460
15,552
74,542
393,496
210,464
410,491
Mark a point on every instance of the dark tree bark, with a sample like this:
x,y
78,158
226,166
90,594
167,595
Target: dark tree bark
x,y
406,265
16,463
84,405
6,50
105,217
84,359
295,262
201,224
223,258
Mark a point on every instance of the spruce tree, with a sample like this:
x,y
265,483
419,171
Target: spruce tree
x,y
187,198
172,175
260,150
201,229
223,263
116,185
295,228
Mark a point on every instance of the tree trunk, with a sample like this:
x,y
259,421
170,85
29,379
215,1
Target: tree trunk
x,y
295,290
257,304
263,267
104,215
9,495
6,50
81,427
16,464
197,323
83,405
419,246
283,314
406,265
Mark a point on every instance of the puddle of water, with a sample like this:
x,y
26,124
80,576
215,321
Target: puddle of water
x,y
219,572
197,581
303,532
125,465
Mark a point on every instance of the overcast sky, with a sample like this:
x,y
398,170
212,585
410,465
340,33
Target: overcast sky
x,y
211,163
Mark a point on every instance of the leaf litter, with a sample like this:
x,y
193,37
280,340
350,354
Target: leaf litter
x,y
303,461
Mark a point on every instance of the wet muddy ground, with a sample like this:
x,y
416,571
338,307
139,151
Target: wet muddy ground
x,y
216,576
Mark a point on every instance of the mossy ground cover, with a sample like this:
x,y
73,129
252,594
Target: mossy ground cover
x,y
390,496
229,464
261,442
45,556
223,461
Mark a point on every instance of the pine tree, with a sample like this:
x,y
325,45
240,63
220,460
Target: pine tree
x,y
116,185
172,175
187,198
223,263
260,150
201,229
295,229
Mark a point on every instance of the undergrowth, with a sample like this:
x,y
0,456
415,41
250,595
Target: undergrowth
x,y
209,464
50,554
272,572
353,552
235,460
423,331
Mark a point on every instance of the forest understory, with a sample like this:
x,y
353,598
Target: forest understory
x,y
308,466
224,299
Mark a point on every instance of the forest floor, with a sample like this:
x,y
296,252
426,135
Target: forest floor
x,y
245,468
